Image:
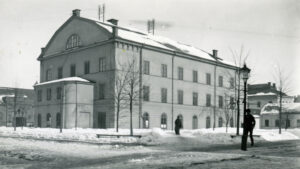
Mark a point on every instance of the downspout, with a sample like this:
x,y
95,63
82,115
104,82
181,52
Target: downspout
x,y
215,86
76,122
172,88
140,85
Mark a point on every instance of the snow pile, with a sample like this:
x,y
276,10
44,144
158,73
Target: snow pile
x,y
273,135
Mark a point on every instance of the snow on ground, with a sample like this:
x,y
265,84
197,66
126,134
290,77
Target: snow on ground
x,y
149,136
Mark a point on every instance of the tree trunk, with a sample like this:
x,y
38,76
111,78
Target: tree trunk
x,y
280,109
118,112
131,130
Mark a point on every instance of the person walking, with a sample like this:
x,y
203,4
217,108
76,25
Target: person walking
x,y
249,125
178,125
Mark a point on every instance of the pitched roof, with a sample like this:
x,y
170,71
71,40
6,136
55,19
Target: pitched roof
x,y
67,79
157,41
273,108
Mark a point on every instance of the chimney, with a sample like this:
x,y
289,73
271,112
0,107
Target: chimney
x,y
42,51
114,28
76,12
215,53
274,85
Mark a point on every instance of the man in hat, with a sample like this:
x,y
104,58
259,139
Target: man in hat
x,y
249,125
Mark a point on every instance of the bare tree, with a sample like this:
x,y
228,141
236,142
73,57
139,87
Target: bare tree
x,y
282,80
228,110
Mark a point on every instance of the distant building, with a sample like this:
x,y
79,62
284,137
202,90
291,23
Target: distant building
x,y
269,116
20,101
174,79
297,99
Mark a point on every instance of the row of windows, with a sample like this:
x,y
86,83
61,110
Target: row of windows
x,y
164,73
102,67
180,93
163,121
284,123
49,120
49,94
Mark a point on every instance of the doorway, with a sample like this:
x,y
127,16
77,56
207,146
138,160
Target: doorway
x,y
102,120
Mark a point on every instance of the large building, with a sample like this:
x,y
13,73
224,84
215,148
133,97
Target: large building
x,y
173,79
16,103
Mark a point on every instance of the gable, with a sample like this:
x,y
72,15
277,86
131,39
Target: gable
x,y
87,31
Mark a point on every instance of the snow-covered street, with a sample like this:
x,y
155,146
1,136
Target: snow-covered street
x,y
156,149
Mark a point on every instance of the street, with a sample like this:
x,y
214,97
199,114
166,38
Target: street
x,y
25,153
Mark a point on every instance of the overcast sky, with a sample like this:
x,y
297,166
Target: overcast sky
x,y
268,29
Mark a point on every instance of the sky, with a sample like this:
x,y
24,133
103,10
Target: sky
x,y
268,31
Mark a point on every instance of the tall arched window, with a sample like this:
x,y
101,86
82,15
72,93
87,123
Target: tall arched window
x,y
231,122
58,120
220,122
48,119
39,120
195,122
73,41
163,121
145,120
207,122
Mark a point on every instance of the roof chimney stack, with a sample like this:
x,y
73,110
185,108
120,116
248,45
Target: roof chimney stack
x,y
114,28
76,12
215,53
42,51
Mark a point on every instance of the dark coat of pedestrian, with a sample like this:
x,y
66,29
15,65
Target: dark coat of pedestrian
x,y
249,125
178,125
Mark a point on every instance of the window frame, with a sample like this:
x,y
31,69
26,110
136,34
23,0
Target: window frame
x,y
180,73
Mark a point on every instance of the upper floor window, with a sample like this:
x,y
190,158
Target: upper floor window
x,y
73,41
180,96
146,91
58,93
195,76
195,98
220,101
39,95
146,67
231,82
258,104
59,72
208,79
102,64
180,73
86,67
49,94
220,81
48,74
164,92
164,70
208,100
101,91
73,70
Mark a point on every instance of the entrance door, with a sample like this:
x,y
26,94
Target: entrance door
x,y
84,120
102,120
39,120
195,122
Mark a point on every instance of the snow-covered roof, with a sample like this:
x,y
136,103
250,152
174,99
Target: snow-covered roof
x,y
67,79
273,108
263,94
157,41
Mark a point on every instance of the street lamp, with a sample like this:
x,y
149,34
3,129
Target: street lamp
x,y
245,75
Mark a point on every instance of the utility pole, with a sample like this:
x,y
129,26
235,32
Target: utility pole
x,y
101,12
151,26
15,105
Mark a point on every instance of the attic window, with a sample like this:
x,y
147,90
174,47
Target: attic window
x,y
73,41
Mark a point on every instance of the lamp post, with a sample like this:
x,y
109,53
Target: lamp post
x,y
245,73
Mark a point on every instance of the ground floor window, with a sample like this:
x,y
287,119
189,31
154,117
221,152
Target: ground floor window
x,y
220,122
195,122
207,122
48,120
39,120
266,123
146,120
163,121
298,123
277,123
58,120
288,123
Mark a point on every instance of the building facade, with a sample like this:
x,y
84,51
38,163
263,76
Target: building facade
x,y
173,79
16,106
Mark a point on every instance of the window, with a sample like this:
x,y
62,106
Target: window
x,y
73,41
220,122
146,91
220,81
39,95
195,98
73,70
298,123
207,122
58,93
180,96
266,123
48,120
163,121
48,75
231,103
231,81
146,67
195,122
221,101
86,67
258,104
208,98
195,76
39,120
59,72
180,73
102,64
49,94
145,120
164,93
58,120
164,70
208,79
288,123
277,123
101,91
